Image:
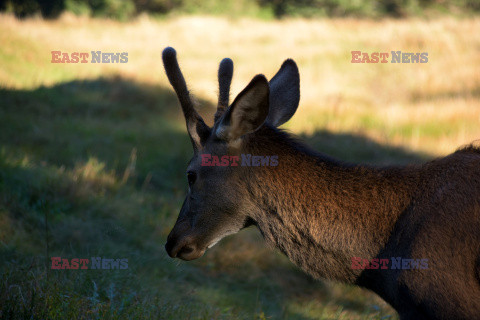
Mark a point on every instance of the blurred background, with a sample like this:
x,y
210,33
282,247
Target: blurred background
x,y
93,156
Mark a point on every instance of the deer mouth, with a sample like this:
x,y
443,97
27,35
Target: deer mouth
x,y
189,253
188,248
183,250
225,234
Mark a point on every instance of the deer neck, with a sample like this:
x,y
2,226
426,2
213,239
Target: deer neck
x,y
321,213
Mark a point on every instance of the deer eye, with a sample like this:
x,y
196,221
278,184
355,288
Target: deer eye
x,y
191,177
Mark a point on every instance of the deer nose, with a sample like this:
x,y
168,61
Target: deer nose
x,y
178,250
169,249
179,247
183,250
174,242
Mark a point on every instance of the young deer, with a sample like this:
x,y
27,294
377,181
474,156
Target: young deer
x,y
323,213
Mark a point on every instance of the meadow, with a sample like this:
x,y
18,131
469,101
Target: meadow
x,y
93,156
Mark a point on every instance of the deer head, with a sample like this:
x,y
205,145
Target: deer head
x,y
218,202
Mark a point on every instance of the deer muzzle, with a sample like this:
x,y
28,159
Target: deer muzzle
x,y
183,246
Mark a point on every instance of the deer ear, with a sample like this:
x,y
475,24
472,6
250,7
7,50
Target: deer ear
x,y
247,113
284,94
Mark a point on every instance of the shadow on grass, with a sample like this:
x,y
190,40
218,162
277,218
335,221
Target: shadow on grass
x,y
106,119
355,148
420,96
104,159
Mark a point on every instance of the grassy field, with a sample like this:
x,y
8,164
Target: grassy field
x,y
92,157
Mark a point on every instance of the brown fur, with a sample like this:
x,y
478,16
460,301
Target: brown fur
x,y
321,213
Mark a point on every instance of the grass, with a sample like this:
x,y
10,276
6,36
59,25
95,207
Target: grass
x,y
92,157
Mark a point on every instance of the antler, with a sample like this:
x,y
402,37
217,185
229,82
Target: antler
x,y
225,73
196,127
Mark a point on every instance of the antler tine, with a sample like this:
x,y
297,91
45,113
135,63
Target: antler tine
x,y
225,73
196,127
177,81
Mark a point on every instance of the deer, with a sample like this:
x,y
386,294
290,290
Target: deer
x,y
323,213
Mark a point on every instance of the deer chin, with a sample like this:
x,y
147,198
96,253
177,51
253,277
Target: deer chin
x,y
217,239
